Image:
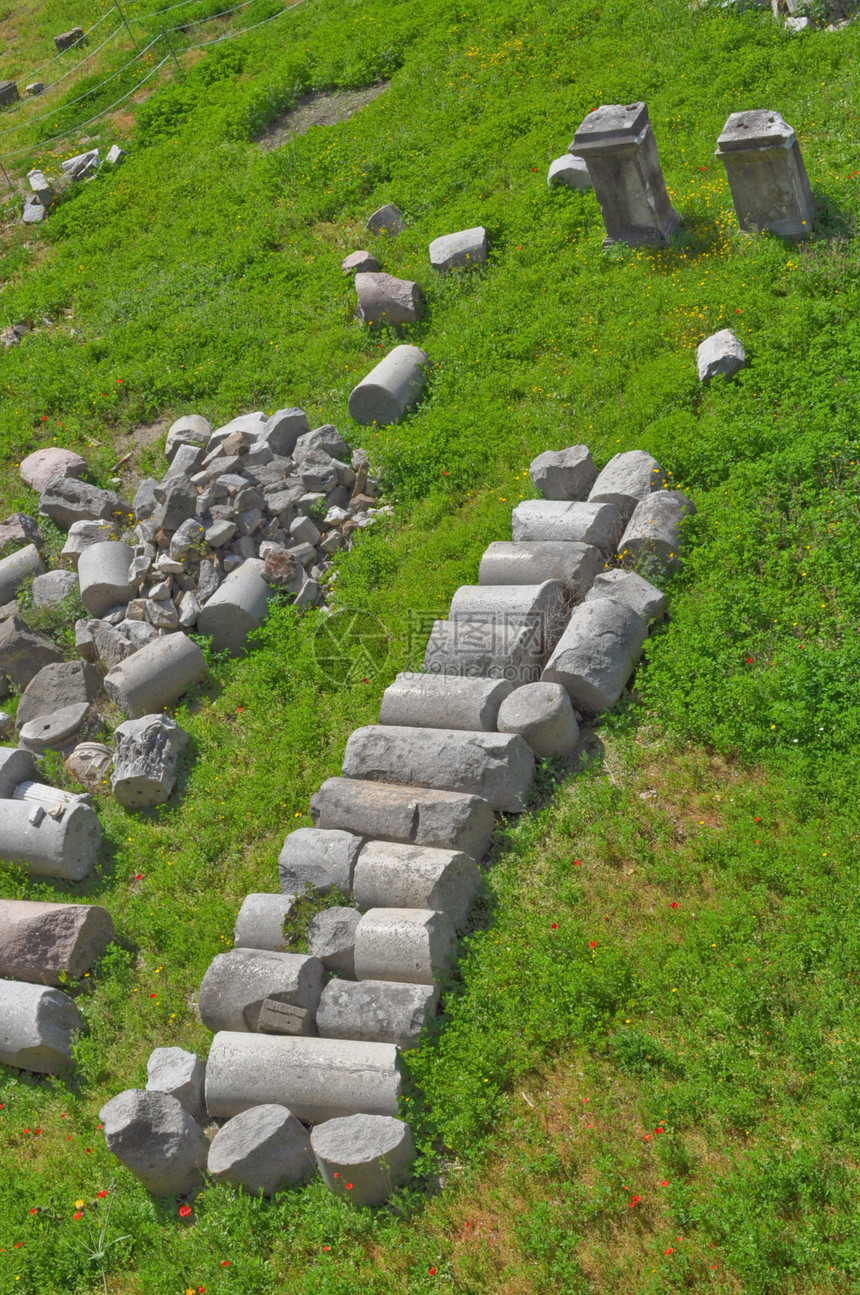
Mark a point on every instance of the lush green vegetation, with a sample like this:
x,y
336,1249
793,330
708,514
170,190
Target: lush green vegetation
x,y
204,274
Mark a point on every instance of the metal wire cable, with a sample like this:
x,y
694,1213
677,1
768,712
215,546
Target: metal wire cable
x,y
31,121
53,138
49,61
200,45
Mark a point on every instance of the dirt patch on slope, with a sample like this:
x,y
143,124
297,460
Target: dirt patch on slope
x,y
318,110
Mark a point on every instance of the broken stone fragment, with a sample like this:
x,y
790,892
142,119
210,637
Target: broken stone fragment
x,y
146,752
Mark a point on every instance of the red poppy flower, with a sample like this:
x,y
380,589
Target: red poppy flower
x,y
79,1214
225,1263
34,1210
670,1250
749,660
349,1187
576,863
674,903
153,995
664,1183
634,1200
326,1247
102,1194
432,1272
593,944
554,926
184,1211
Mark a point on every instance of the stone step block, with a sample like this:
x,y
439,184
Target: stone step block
x,y
414,945
238,983
598,524
506,562
541,713
390,874
431,701
40,942
496,767
597,654
260,924
564,474
153,1135
321,858
263,1150
376,1011
633,590
653,536
418,816
37,1027
316,1079
363,1158
627,479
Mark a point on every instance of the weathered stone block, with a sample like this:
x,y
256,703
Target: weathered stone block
x,y
153,1135
542,715
263,1149
392,387
238,983
419,816
564,474
413,945
394,875
363,1158
37,1026
434,701
40,942
597,654
769,184
319,858
376,1011
597,524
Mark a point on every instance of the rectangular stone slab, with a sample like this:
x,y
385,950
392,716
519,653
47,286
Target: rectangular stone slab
x,y
499,767
40,941
415,815
555,519
434,701
531,562
316,1079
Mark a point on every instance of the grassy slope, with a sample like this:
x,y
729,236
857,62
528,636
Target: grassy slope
x,y
205,275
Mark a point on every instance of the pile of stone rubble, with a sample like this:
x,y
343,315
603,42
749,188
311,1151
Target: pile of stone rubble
x,y
304,1067
44,193
258,506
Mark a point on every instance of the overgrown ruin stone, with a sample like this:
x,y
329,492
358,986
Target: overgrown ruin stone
x,y
43,943
16,568
564,474
58,685
531,562
37,1025
363,1158
392,387
263,1149
331,938
721,354
181,1074
627,479
597,654
633,590
542,714
384,299
155,676
414,945
597,524
465,248
144,763
24,652
377,1011
386,220
65,846
436,701
318,858
260,923
618,146
153,1135
237,984
414,815
652,539
316,1079
391,874
769,184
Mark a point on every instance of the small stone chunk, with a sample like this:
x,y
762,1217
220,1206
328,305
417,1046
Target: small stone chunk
x,y
153,1135
331,938
89,764
542,714
21,529
181,1074
571,171
67,39
52,587
41,467
386,220
564,474
116,155
264,1149
192,429
35,87
238,606
721,353
66,500
363,1158
362,261
284,1018
82,165
83,534
36,1027
8,92
468,247
384,299
103,576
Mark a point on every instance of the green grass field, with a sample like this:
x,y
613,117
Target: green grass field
x,y
658,999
